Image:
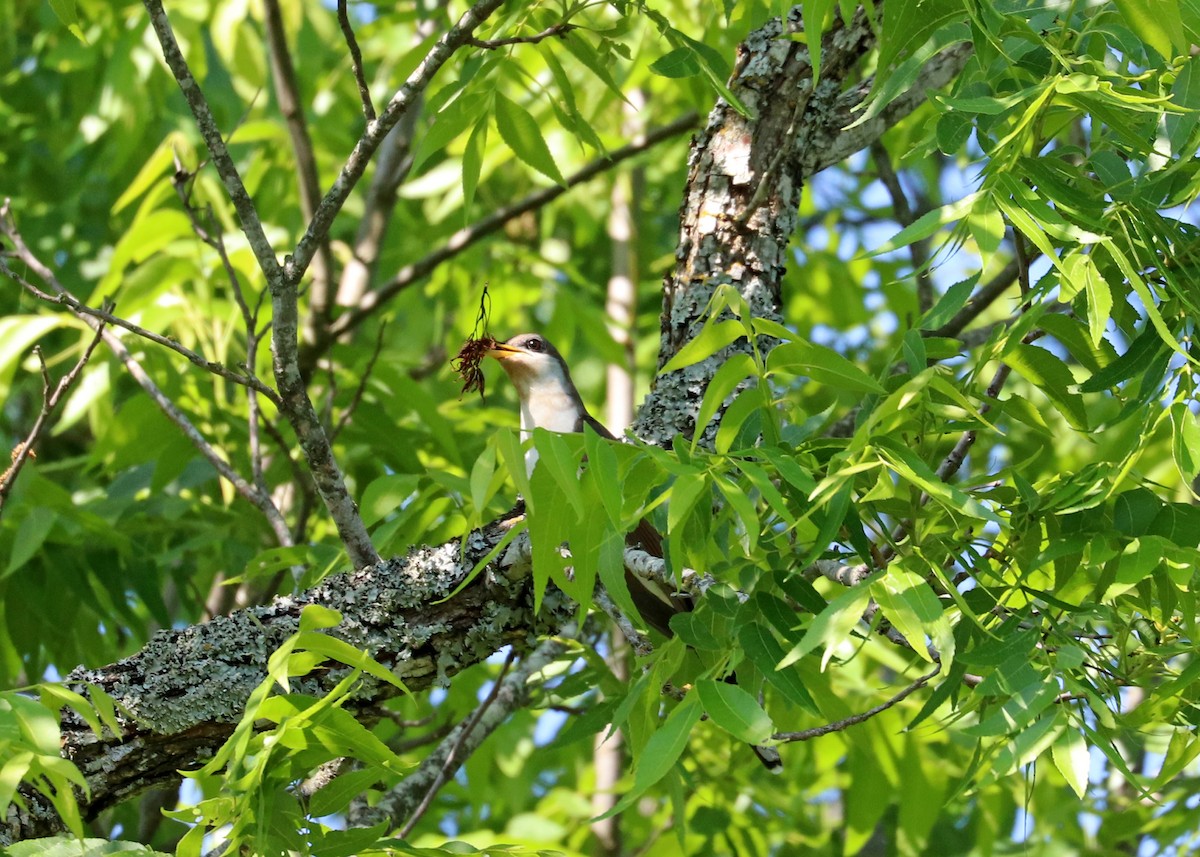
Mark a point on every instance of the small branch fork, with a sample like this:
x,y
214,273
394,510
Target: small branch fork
x,y
260,499
52,394
465,237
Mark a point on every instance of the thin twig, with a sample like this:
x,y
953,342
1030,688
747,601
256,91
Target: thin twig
x,y
980,301
211,235
464,238
452,762
66,299
918,250
513,692
250,492
640,643
361,389
855,719
560,29
360,78
287,92
374,133
51,396
248,215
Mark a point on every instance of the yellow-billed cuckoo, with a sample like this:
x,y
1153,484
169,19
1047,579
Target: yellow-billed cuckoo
x,y
550,401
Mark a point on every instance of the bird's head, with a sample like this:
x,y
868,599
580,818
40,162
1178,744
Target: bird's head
x,y
530,361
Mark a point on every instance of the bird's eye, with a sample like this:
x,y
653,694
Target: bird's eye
x,y
533,344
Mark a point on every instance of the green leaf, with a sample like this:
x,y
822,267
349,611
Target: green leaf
x,y
831,627
1052,377
1070,755
735,711
929,224
386,495
464,112
733,372
1185,440
472,162
1158,23
340,650
69,846
603,472
948,306
314,617
686,491
712,338
823,365
678,63
562,463
509,444
30,536
814,14
65,10
521,132
914,610
910,467
765,652
661,752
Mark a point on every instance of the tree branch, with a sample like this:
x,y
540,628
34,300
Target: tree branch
x,y
287,92
215,143
64,298
52,394
560,29
375,132
412,795
180,696
464,238
172,412
855,719
364,92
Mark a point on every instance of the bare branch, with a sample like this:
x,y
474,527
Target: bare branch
x,y
455,756
287,91
375,131
172,411
508,695
918,250
356,399
980,301
63,298
467,236
50,400
855,719
560,29
215,143
364,92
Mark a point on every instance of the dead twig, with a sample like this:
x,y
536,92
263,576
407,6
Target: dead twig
x,y
360,78
52,394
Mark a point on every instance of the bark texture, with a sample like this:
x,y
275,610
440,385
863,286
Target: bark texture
x,y
739,211
182,694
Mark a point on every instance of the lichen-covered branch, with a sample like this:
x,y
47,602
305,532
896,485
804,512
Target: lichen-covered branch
x,y
182,694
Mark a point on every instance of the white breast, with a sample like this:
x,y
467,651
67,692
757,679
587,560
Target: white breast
x,y
547,406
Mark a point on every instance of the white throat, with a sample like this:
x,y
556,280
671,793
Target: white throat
x,y
548,402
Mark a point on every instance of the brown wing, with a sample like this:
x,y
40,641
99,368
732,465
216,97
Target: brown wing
x,y
655,606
